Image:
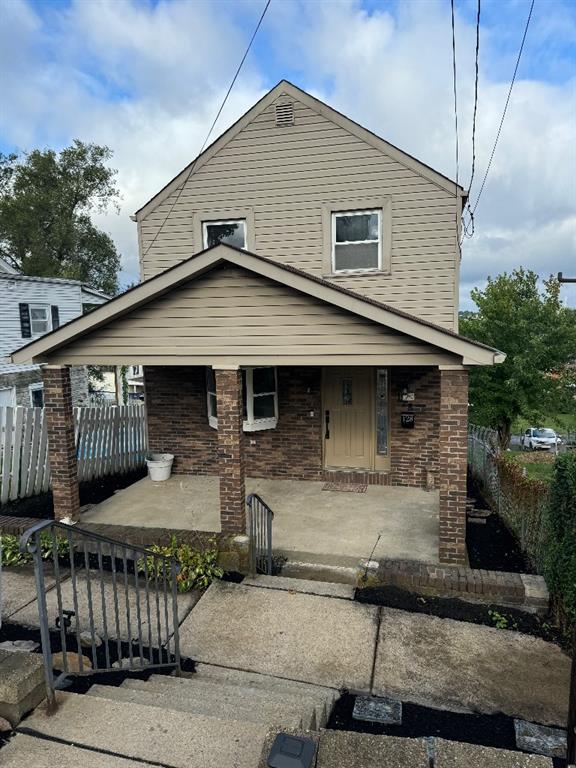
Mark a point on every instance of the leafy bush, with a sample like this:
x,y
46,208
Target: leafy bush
x,y
11,555
198,568
560,557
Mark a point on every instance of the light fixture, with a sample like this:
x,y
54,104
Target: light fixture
x,y
291,752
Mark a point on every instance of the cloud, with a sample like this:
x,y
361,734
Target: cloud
x,y
146,78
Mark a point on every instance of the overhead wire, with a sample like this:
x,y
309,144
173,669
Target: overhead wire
x,y
222,105
482,186
468,229
455,88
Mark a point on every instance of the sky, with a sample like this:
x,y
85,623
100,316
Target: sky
x,y
146,77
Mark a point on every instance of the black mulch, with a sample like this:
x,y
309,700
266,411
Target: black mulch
x,y
417,721
92,492
461,610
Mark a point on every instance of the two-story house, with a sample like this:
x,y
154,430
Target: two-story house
x,y
31,307
298,315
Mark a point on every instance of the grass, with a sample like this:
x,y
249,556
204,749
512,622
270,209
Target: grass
x,y
538,465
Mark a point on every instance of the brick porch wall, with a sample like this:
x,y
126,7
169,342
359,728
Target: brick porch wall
x,y
178,423
231,454
414,452
59,414
453,460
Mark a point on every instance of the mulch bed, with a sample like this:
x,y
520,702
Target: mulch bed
x,y
492,546
41,507
417,721
461,610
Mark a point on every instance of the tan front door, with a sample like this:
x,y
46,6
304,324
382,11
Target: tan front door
x,y
348,418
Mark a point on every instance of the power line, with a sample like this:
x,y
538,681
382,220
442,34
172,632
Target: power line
x,y
468,230
454,84
246,52
455,89
473,211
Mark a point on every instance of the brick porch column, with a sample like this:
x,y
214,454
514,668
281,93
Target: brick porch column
x,y
231,460
452,460
59,416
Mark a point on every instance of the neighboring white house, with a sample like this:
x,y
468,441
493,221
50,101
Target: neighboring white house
x,y
29,308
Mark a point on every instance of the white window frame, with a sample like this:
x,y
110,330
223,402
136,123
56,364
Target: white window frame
x,y
337,214
249,424
208,223
12,391
34,388
48,310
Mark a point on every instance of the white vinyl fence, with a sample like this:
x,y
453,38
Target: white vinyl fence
x,y
109,440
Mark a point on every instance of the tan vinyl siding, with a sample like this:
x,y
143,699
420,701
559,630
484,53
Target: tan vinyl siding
x,y
231,315
283,177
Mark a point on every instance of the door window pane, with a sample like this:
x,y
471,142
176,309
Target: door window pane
x,y
228,232
346,391
382,412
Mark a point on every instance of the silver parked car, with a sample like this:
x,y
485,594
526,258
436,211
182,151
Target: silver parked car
x,y
540,439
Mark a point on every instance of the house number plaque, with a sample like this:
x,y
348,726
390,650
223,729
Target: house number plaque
x,y
407,420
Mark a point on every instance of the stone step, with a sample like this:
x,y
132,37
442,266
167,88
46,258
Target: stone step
x,y
29,752
310,568
305,586
256,679
312,705
212,702
151,734
312,709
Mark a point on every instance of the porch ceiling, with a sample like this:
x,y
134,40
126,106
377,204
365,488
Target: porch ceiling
x,y
231,307
386,522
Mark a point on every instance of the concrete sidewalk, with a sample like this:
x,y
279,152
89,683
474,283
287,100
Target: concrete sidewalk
x,y
333,641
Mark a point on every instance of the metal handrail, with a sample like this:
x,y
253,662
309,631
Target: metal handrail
x,y
102,602
259,525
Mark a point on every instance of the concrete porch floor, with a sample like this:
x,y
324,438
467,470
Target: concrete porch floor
x,y
383,522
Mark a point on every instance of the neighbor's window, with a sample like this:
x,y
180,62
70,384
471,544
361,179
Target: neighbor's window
x,y
259,395
356,242
39,319
36,395
232,232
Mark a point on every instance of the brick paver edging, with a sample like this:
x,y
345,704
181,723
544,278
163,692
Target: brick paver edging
x,y
524,591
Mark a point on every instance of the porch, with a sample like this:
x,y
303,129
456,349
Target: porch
x,y
382,522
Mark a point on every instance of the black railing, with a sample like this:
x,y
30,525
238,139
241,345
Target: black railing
x,y
112,607
260,518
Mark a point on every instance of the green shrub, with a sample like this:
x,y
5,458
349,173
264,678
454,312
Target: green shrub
x,y
560,557
198,568
11,554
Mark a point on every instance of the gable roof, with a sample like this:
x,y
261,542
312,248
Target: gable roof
x,y
286,88
471,352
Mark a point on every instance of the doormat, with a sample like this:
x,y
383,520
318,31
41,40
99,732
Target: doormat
x,y
345,487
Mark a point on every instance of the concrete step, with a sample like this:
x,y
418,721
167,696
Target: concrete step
x,y
29,752
255,679
151,734
312,567
309,708
212,701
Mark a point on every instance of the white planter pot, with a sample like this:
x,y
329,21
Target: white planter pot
x,y
159,466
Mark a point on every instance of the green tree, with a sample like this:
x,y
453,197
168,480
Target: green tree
x,y
46,201
538,335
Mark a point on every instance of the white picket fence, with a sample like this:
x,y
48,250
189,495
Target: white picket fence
x,y
109,440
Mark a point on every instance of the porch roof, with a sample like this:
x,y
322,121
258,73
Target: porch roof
x,y
229,306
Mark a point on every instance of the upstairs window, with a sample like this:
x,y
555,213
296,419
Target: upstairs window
x,y
356,241
40,319
259,396
230,232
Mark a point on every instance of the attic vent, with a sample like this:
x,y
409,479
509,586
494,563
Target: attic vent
x,y
284,115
